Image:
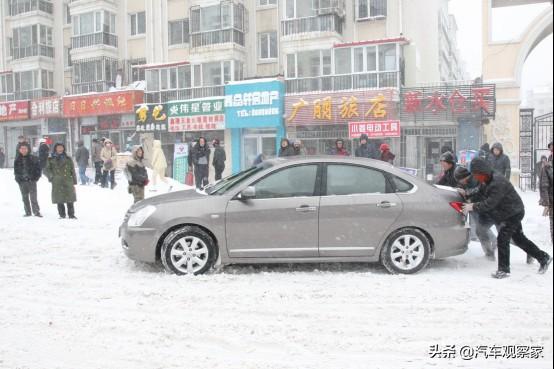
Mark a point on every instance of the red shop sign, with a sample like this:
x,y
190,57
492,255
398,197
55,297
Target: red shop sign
x,y
14,110
381,129
121,102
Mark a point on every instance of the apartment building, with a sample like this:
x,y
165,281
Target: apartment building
x,y
181,50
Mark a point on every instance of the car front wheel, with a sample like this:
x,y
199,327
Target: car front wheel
x,y
188,250
407,251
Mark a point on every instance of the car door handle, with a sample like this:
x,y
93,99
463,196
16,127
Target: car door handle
x,y
306,209
386,204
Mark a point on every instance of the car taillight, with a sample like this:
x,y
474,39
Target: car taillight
x,y
457,205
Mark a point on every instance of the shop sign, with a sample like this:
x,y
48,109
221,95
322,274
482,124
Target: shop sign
x,y
196,115
107,123
254,104
379,129
180,158
340,108
127,121
448,102
108,103
44,108
151,118
14,110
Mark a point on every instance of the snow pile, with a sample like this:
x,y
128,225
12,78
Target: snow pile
x,y
71,299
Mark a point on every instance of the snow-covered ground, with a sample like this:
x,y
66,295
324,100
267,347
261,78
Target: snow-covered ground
x,y
70,299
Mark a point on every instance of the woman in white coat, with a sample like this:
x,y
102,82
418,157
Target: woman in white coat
x,y
159,163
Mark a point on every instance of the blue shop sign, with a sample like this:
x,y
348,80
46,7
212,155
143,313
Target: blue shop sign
x,y
254,104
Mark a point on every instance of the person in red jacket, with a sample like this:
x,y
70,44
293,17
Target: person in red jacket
x,y
339,149
386,155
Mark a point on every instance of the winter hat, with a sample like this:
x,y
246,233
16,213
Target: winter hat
x,y
461,173
550,144
364,137
215,141
480,165
486,147
448,157
384,147
498,146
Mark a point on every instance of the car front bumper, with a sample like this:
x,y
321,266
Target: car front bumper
x,y
139,243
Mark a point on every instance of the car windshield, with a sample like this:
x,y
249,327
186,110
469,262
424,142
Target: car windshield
x,y
228,183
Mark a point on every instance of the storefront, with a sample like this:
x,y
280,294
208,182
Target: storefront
x,y
318,120
108,114
50,111
254,115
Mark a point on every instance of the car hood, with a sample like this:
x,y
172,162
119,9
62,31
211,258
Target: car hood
x,y
169,197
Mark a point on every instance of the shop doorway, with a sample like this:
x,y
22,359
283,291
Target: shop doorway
x,y
434,147
256,144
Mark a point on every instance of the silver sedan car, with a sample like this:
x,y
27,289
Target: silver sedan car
x,y
300,210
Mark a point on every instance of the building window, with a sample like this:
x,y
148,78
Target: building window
x,y
179,32
217,17
6,83
299,9
368,9
267,2
267,45
66,14
93,22
138,23
67,57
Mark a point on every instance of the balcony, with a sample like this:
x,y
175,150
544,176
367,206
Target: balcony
x,y
27,95
33,50
93,39
183,94
344,82
87,87
318,23
17,7
216,37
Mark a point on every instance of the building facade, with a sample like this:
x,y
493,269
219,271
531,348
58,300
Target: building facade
x,y
184,50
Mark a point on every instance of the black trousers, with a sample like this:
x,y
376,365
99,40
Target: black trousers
x,y
98,171
105,175
29,196
511,229
201,175
218,172
70,209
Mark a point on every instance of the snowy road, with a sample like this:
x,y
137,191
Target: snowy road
x,y
70,299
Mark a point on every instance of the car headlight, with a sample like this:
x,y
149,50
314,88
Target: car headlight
x,y
138,218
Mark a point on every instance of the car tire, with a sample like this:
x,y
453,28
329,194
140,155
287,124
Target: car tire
x,y
188,250
406,251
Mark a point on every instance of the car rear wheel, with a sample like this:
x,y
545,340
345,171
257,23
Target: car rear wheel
x,y
188,250
407,251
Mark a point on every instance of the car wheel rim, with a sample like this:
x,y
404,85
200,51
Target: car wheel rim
x,y
189,254
407,252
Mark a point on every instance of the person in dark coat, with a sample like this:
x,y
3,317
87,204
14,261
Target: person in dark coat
x,y
499,161
21,140
43,152
469,188
339,148
386,154
2,158
502,204
367,149
219,159
60,171
448,165
546,190
136,173
27,171
285,149
82,156
200,156
484,151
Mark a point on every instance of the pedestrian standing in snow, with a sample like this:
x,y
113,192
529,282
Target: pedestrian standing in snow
x,y
109,159
448,164
137,174
499,161
27,171
21,140
43,153
364,150
219,159
200,156
82,156
299,150
481,225
386,154
159,164
97,160
285,148
339,149
60,171
2,158
545,188
504,206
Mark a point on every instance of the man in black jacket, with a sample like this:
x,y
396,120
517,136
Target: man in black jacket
x,y
448,164
503,205
367,149
219,159
26,168
499,161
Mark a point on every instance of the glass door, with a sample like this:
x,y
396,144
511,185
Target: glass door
x,y
256,144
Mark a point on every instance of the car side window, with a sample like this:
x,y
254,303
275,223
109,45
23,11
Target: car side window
x,y
402,185
290,182
350,180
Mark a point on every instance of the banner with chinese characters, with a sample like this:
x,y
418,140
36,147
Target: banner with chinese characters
x,y
448,102
106,103
196,115
46,108
254,104
151,118
341,108
180,162
14,110
381,129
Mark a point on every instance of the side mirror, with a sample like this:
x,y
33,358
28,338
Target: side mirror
x,y
248,193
